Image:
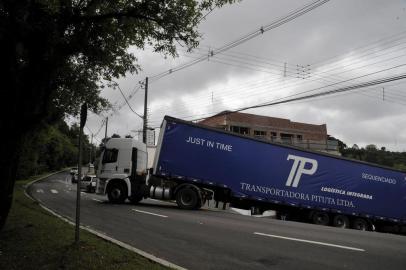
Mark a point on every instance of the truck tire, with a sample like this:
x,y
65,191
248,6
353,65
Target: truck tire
x,y
116,193
360,224
188,198
341,221
321,218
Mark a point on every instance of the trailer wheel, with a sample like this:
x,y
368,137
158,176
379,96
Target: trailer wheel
x,y
341,221
188,198
321,218
116,193
360,224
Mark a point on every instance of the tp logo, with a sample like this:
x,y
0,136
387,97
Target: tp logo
x,y
298,168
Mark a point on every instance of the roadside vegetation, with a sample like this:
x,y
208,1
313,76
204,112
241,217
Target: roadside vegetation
x,y
373,154
34,239
52,147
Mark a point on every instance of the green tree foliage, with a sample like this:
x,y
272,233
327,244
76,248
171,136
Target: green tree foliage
x,y
381,156
52,148
57,54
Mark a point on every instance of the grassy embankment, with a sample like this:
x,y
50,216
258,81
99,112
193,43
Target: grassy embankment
x,y
35,239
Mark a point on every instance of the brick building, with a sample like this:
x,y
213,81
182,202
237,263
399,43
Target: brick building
x,y
280,130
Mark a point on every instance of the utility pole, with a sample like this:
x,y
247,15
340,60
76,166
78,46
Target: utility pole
x,y
105,133
91,150
144,128
83,116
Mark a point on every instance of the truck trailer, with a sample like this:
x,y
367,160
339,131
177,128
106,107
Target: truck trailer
x,y
195,163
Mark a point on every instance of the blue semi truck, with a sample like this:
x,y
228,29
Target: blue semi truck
x,y
194,163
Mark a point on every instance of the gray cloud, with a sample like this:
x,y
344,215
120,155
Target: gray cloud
x,y
334,29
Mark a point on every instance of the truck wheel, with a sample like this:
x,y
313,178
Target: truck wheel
x,y
321,218
341,221
360,224
116,193
188,198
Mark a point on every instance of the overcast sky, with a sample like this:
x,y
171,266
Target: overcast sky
x,y
339,43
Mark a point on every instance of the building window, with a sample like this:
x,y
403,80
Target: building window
x,y
299,137
110,155
287,138
240,130
259,133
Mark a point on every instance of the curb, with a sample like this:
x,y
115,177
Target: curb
x,y
100,234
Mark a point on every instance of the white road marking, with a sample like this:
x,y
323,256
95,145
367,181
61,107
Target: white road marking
x,y
149,213
54,191
97,200
40,191
309,241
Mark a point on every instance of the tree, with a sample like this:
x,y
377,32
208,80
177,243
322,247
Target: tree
x,y
371,147
58,54
52,148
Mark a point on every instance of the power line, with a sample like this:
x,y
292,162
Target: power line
x,y
257,65
91,132
335,91
345,81
281,21
101,126
364,48
258,85
391,95
335,75
359,77
128,102
294,74
319,76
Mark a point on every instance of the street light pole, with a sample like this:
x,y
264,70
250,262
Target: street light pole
x,y
83,116
105,132
144,129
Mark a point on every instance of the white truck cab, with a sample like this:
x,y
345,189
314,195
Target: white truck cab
x,y
122,174
122,170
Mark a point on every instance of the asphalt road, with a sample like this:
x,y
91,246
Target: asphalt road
x,y
211,239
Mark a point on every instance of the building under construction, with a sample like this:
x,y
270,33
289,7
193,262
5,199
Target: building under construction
x,y
308,136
